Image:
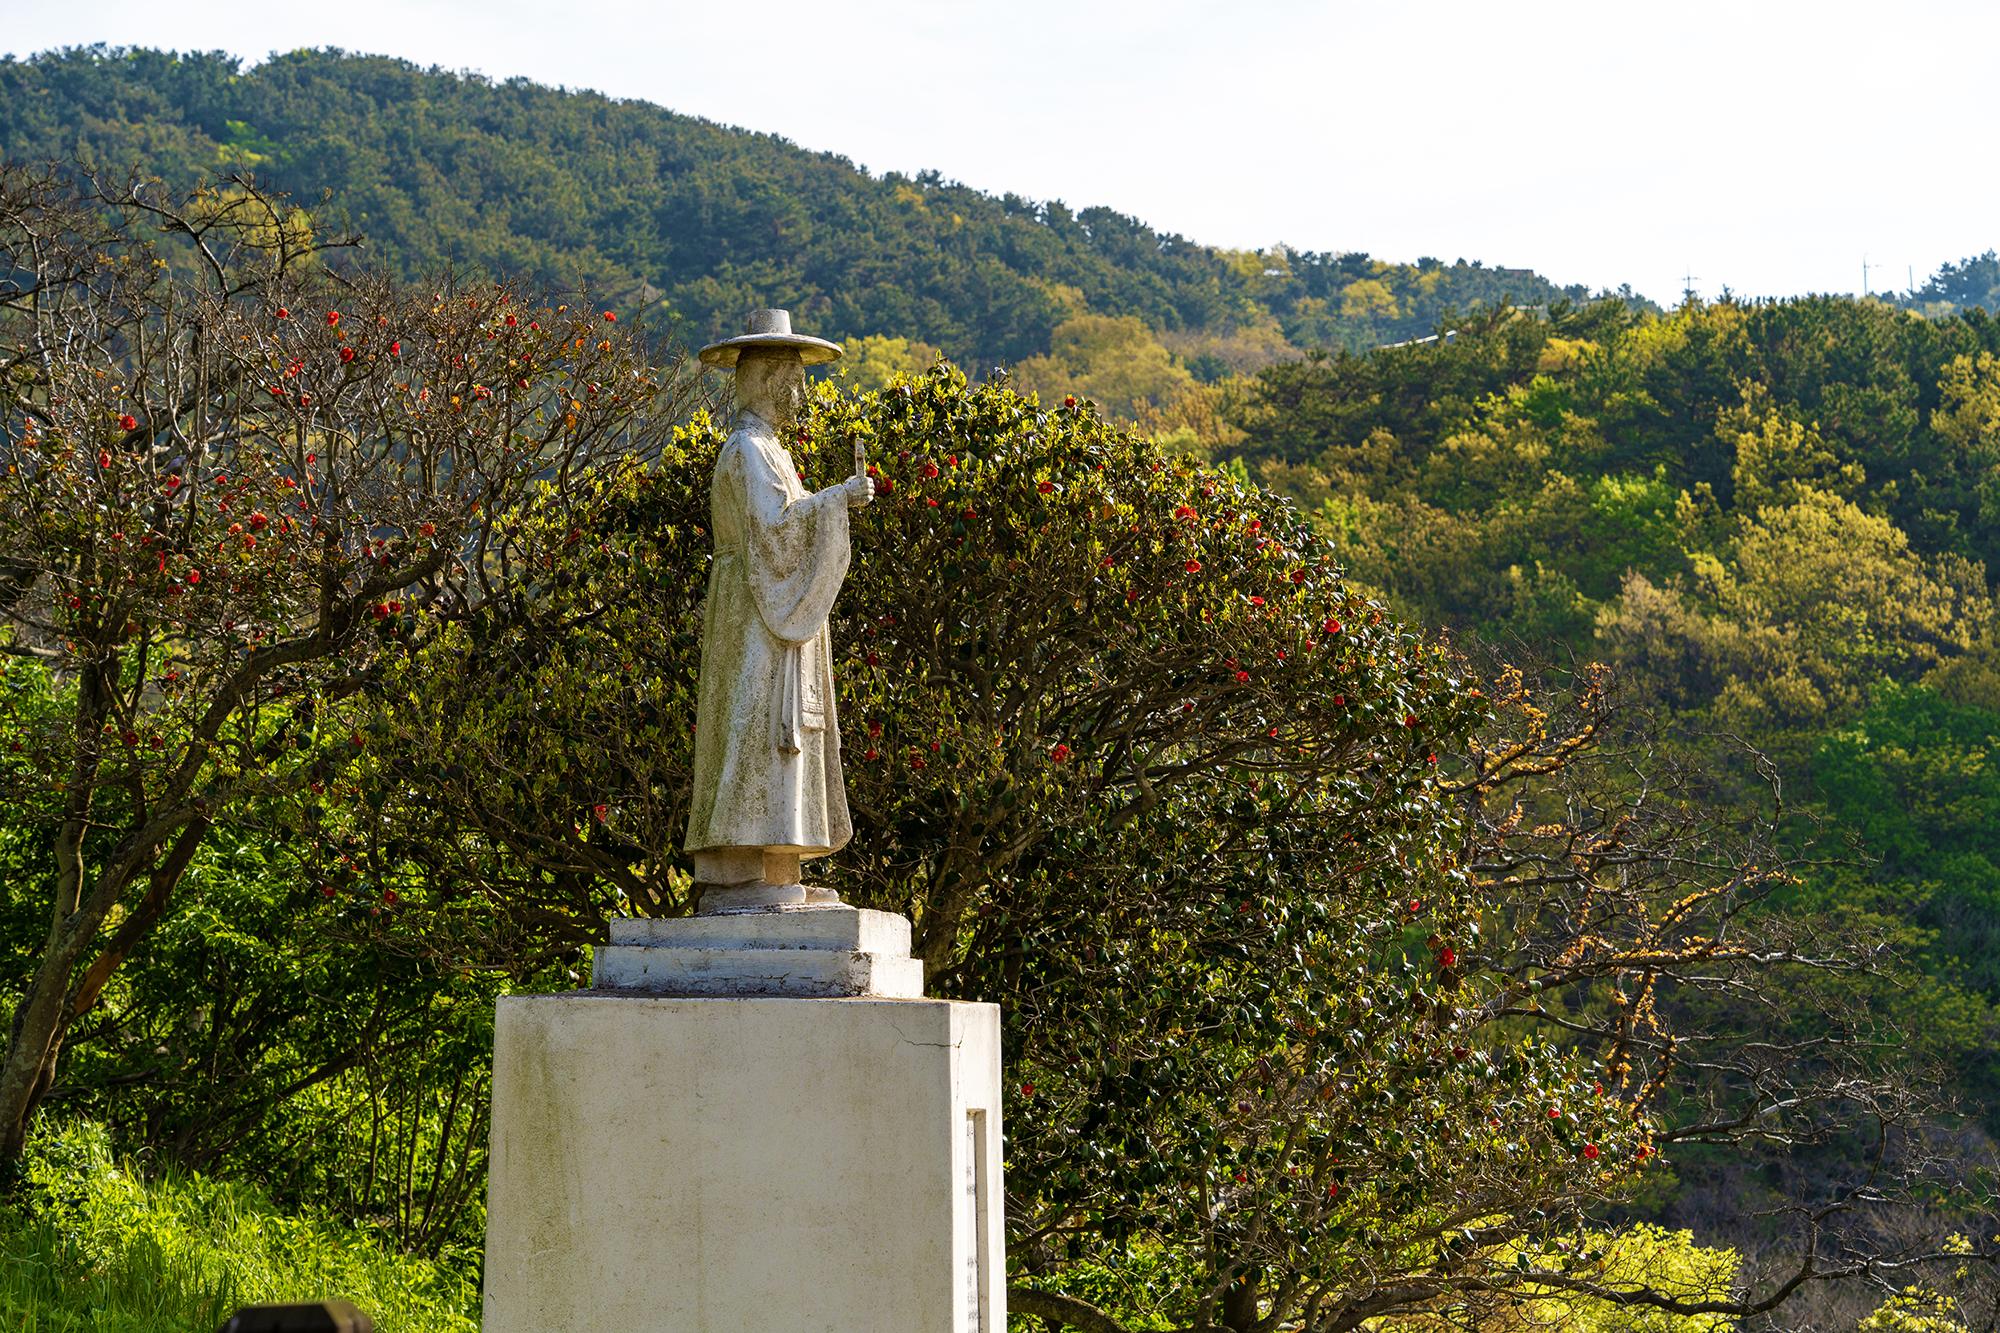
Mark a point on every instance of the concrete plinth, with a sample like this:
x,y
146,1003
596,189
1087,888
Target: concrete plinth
x,y
745,1165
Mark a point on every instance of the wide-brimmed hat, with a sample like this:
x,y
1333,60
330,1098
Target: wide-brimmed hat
x,y
770,328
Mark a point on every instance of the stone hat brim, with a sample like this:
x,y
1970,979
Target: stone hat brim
x,y
812,351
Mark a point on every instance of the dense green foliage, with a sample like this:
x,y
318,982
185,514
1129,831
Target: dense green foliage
x,y
1780,520
645,206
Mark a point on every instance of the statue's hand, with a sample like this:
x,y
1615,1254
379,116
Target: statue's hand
x,y
860,490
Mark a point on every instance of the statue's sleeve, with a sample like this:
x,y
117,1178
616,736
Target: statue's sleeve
x,y
796,550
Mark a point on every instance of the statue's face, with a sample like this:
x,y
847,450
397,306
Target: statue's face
x,y
772,383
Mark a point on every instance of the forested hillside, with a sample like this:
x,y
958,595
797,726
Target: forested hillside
x,y
1779,521
646,206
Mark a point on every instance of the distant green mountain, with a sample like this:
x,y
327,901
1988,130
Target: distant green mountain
x,y
649,207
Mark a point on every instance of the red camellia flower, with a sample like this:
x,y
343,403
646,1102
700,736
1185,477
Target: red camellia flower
x,y
396,348
1447,957
346,354
1069,400
326,890
1027,1089
75,602
128,422
1185,513
284,313
1298,576
1242,678
389,897
131,738
1590,1151
511,321
1059,754
1332,1188
930,471
610,318
1409,719
427,529
333,319
873,660
1340,701
1045,486
1192,566
600,810
1331,627
258,520
1416,906
194,576
872,755
103,459
1555,1113
1431,758
1256,601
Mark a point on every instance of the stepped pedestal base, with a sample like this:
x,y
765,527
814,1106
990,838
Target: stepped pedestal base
x,y
809,951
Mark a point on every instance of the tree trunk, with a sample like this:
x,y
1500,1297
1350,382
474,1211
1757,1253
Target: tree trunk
x,y
39,1027
1239,1305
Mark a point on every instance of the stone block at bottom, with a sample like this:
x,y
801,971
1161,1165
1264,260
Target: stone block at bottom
x,y
717,1165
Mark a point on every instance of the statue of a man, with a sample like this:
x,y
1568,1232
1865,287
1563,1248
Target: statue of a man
x,y
768,791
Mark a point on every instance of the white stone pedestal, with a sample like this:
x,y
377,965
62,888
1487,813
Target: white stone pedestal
x,y
710,1164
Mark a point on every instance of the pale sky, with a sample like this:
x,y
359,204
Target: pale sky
x,y
1769,147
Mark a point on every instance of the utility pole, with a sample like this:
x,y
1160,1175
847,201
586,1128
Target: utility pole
x,y
1688,280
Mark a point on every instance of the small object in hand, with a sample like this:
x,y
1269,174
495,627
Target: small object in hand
x,y
860,487
324,1317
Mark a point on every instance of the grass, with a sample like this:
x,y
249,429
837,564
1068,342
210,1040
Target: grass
x,y
90,1245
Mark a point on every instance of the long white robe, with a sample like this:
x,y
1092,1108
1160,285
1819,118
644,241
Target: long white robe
x,y
767,744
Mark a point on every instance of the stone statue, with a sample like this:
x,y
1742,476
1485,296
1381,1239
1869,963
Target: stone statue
x,y
768,791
